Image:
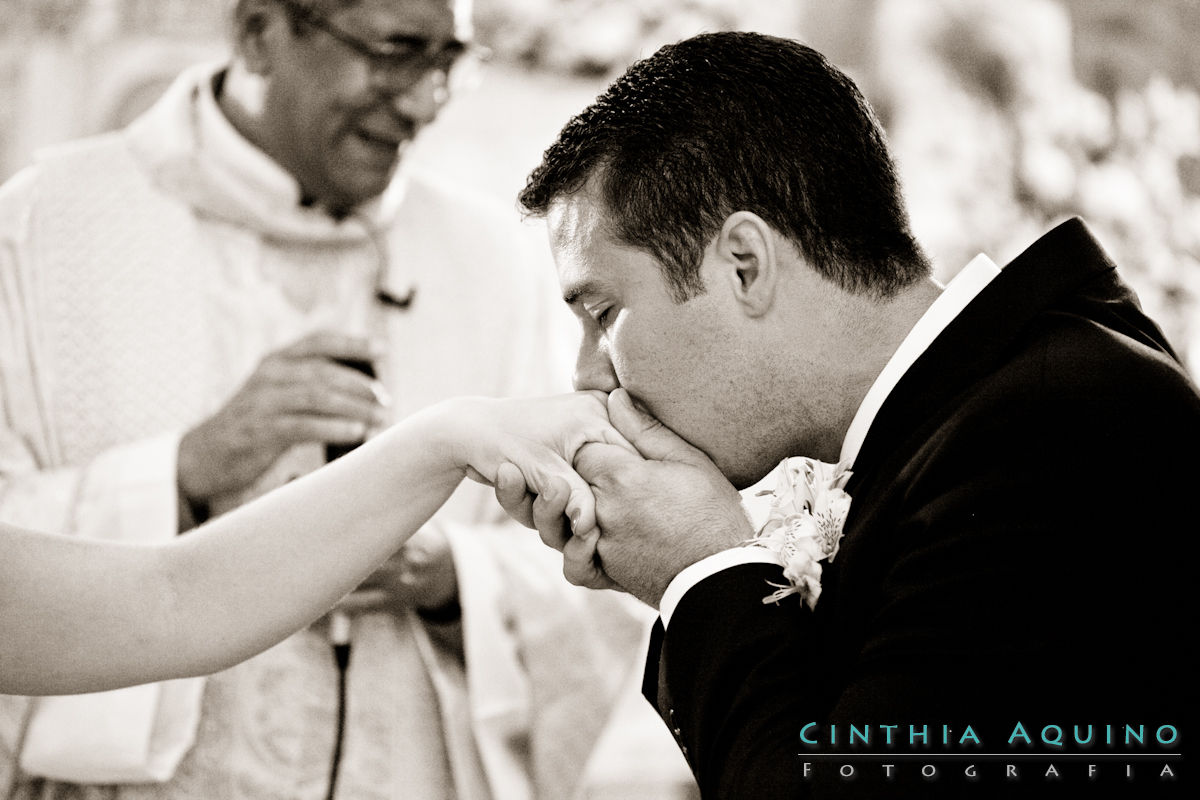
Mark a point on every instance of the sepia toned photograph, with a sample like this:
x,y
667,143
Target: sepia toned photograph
x,y
598,399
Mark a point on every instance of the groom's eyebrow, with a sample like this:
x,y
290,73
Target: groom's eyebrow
x,y
575,291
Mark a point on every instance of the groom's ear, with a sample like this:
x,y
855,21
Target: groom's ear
x,y
746,245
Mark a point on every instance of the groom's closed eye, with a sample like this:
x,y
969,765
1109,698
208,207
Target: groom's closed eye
x,y
602,317
589,294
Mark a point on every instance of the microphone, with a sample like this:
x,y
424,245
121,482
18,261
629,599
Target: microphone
x,y
336,451
339,628
339,637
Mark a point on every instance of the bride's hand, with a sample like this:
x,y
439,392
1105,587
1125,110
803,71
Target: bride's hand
x,y
539,436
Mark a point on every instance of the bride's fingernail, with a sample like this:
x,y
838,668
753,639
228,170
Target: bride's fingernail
x,y
574,520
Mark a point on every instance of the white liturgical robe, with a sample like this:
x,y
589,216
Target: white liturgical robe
x,y
143,276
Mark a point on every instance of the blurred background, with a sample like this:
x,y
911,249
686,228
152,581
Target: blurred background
x,y
1005,115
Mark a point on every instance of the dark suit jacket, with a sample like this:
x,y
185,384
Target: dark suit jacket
x,y
1014,553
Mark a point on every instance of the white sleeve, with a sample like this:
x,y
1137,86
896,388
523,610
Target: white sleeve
x,y
127,493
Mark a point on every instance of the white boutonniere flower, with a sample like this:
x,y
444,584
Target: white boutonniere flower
x,y
804,527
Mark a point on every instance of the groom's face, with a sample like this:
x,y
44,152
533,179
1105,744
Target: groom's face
x,y
682,361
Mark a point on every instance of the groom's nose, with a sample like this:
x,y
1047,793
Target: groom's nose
x,y
594,369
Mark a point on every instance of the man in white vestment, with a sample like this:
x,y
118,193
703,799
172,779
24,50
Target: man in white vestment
x,y
176,302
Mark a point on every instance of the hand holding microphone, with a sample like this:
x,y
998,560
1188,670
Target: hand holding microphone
x,y
318,389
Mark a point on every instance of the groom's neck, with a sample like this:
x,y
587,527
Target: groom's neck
x,y
870,332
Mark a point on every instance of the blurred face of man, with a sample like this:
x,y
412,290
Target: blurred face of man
x,y
688,363
351,86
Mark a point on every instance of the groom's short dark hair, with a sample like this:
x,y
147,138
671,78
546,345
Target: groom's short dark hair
x,y
727,122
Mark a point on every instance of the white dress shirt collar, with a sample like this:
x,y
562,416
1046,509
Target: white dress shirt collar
x,y
964,287
192,151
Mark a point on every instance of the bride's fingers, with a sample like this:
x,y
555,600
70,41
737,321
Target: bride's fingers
x,y
581,566
579,559
549,513
513,495
474,475
581,508
610,435
543,469
595,425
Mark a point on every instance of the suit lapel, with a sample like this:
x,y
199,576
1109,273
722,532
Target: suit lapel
x,y
1065,272
653,685
973,346
1052,273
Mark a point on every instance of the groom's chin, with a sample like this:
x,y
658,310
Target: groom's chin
x,y
742,458
747,467
743,476
740,483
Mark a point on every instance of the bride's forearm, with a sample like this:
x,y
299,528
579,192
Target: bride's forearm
x,y
84,616
315,539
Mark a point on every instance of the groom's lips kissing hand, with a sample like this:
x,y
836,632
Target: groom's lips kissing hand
x,y
658,510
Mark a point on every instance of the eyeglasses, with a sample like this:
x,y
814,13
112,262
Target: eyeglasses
x,y
404,56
